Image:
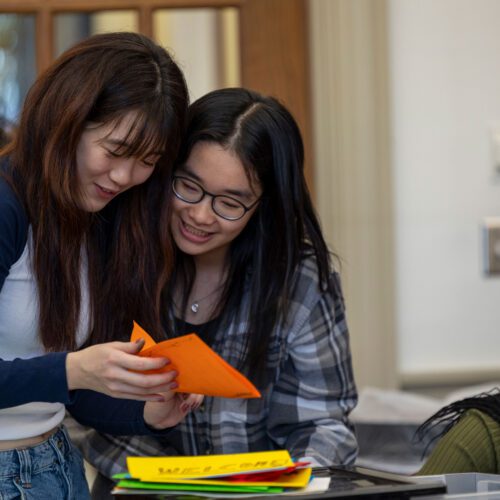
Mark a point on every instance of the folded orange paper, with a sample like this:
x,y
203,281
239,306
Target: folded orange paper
x,y
200,369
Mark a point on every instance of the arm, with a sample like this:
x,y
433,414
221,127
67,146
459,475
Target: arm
x,y
106,414
126,417
111,368
50,379
20,379
38,379
315,391
13,229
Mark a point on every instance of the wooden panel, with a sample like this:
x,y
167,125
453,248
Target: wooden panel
x,y
274,58
274,43
146,20
44,39
96,5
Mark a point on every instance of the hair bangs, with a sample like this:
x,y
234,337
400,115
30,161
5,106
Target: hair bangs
x,y
146,135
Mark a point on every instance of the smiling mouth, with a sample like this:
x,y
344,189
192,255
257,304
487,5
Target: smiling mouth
x,y
107,191
194,231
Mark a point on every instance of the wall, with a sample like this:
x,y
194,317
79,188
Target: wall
x,y
444,60
352,170
404,96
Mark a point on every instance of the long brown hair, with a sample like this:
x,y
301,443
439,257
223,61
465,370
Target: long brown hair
x,y
128,247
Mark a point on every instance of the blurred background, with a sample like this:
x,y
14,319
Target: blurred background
x,y
399,105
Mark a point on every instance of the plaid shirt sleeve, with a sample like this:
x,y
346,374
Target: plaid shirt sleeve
x,y
316,391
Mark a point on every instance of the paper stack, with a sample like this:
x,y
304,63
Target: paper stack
x,y
255,473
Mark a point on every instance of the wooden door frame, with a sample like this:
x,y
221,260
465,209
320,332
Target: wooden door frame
x,y
273,43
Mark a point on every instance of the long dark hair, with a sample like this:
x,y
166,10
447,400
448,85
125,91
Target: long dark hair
x,y
266,254
99,80
443,420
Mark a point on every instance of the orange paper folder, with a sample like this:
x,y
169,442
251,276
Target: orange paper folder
x,y
200,369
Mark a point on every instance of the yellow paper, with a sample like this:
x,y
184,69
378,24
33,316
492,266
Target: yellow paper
x,y
161,468
296,479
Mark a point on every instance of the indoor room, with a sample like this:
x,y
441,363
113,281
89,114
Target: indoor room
x,y
398,106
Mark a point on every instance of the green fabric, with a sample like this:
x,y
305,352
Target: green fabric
x,y
472,445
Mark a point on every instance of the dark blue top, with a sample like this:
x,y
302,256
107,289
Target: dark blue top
x,y
43,378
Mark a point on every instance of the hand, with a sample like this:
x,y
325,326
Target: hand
x,y
172,410
107,368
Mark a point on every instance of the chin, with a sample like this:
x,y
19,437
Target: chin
x,y
187,249
93,207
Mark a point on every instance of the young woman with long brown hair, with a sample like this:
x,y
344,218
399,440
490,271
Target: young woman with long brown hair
x,y
84,250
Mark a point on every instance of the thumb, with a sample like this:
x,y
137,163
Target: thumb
x,y
133,347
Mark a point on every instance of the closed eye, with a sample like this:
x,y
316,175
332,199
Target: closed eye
x,y
229,203
113,154
189,186
150,161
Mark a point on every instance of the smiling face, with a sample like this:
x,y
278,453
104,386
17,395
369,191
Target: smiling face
x,y
196,229
102,171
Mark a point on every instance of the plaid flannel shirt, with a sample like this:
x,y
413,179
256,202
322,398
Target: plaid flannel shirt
x,y
309,393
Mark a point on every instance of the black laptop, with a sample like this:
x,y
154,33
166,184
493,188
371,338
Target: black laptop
x,y
360,482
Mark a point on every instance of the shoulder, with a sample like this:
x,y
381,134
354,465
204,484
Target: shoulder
x,y
13,224
475,418
309,300
307,286
11,208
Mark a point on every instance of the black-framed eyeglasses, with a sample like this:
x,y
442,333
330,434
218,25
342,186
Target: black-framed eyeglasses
x,y
227,207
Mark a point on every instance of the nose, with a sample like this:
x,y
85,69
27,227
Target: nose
x,y
202,212
122,171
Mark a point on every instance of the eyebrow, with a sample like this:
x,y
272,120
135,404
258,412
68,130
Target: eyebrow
x,y
248,195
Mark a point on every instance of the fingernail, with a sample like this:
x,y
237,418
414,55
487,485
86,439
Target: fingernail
x,y
159,399
139,341
174,385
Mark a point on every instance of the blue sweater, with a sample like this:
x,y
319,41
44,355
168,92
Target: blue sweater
x,y
43,378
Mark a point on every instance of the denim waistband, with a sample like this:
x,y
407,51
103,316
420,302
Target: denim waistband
x,y
26,461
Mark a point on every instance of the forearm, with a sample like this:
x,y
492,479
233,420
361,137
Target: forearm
x,y
329,442
41,379
110,415
316,391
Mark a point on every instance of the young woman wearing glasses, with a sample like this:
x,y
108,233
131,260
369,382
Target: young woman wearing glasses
x,y
253,278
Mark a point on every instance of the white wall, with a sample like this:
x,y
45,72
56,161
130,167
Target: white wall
x,y
445,94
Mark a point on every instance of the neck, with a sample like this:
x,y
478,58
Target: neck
x,y
210,266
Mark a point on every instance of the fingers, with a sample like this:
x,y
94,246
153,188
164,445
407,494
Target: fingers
x,y
162,393
191,402
124,374
140,384
153,398
130,347
125,354
194,400
172,410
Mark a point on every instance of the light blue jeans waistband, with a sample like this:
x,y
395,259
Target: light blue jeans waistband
x,y
52,469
